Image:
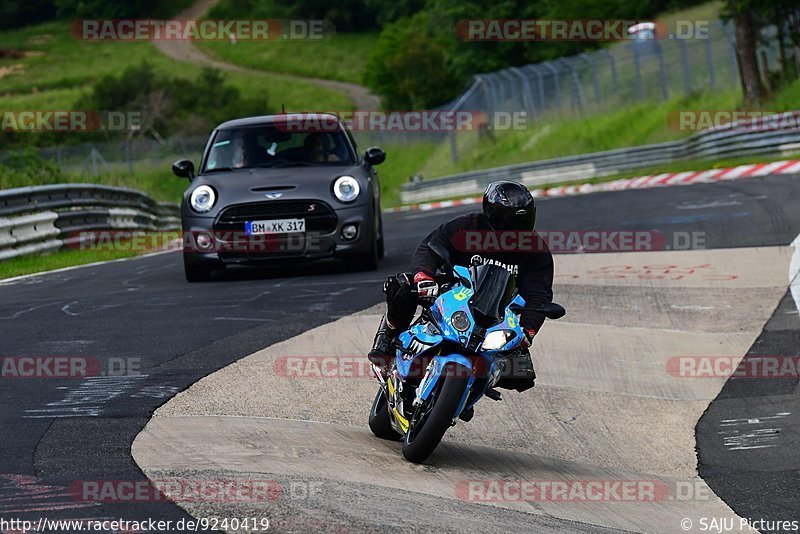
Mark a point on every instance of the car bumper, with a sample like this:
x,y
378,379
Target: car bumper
x,y
237,248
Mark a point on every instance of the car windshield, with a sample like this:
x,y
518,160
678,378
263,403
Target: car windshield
x,y
274,146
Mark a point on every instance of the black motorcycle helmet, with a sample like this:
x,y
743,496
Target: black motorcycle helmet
x,y
509,206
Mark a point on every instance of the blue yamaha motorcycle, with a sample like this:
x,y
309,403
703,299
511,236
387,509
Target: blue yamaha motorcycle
x,y
452,355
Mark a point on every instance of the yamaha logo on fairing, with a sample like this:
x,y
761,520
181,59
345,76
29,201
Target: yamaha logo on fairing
x,y
478,260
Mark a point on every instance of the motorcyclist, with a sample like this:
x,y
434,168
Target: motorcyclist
x,y
508,208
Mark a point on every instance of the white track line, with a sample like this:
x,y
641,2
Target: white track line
x,y
794,272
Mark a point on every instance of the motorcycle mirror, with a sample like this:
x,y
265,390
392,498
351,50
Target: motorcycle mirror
x,y
551,310
444,258
442,254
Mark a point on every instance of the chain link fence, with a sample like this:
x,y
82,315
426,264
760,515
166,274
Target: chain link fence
x,y
634,70
637,70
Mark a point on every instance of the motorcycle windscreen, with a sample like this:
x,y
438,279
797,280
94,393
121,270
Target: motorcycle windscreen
x,y
494,290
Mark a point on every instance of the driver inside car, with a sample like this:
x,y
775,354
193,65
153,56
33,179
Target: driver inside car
x,y
508,207
315,147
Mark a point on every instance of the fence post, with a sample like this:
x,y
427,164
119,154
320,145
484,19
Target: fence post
x,y
508,75
662,70
687,81
128,155
637,64
710,61
527,96
595,82
731,53
548,65
540,85
578,101
612,63
486,94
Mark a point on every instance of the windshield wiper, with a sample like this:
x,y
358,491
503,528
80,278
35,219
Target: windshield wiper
x,y
222,169
284,163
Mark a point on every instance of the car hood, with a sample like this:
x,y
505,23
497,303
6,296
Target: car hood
x,y
255,185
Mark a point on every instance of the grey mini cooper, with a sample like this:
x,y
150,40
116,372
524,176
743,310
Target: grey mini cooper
x,y
281,188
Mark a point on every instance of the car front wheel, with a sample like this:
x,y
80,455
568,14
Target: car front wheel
x,y
195,272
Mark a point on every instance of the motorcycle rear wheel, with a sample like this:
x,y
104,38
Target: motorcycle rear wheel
x,y
379,421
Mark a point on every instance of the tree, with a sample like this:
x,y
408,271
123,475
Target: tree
x,y
746,56
408,68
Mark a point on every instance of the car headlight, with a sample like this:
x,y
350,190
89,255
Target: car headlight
x,y
460,321
497,339
346,188
202,199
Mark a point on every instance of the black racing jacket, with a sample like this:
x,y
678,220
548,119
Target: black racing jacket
x,y
467,236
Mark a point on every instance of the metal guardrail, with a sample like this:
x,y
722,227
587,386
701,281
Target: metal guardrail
x,y
45,218
738,141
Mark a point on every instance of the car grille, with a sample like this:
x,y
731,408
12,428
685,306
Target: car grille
x,y
319,216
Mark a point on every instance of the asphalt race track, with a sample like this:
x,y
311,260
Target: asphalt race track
x,y
59,431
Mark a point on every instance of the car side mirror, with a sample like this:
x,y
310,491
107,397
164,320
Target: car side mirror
x,y
551,310
374,156
183,168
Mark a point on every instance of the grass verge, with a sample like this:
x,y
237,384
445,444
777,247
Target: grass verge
x,y
337,57
57,260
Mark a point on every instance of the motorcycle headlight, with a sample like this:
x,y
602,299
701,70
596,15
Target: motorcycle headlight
x,y
202,199
497,339
346,188
460,321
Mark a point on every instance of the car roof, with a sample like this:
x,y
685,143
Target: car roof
x,y
272,119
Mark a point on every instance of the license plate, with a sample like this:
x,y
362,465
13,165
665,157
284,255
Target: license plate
x,y
275,226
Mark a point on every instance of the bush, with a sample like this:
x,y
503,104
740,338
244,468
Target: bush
x,y
26,168
172,105
409,69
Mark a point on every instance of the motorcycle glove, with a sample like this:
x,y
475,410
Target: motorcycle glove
x,y
427,288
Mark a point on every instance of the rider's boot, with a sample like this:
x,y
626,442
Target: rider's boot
x,y
383,347
519,374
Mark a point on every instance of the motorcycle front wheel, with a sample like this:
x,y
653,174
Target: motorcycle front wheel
x,y
436,416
